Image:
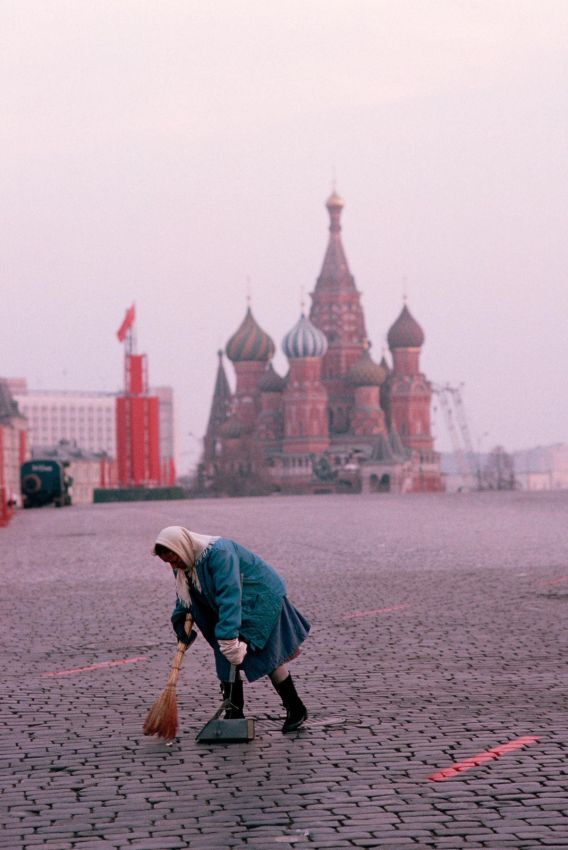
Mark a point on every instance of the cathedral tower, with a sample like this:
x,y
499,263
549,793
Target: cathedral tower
x,y
269,428
410,392
250,348
366,377
220,407
305,397
336,310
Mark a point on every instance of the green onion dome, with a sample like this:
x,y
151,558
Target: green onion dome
x,y
405,332
304,340
366,373
249,342
271,381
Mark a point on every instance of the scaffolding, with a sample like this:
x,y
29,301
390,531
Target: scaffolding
x,y
453,410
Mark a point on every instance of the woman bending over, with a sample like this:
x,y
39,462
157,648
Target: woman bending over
x,y
239,604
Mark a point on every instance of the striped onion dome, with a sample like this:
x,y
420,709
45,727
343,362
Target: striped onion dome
x,y
366,373
249,342
405,332
304,340
271,381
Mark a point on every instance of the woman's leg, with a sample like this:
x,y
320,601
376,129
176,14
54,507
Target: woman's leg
x,y
279,674
296,711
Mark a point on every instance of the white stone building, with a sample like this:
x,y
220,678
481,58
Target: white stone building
x,y
85,419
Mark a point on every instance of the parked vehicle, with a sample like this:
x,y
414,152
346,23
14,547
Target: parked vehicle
x,y
45,482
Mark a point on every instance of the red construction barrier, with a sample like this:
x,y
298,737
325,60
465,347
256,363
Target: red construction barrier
x,y
5,512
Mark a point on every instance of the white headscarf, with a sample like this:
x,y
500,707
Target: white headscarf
x,y
189,546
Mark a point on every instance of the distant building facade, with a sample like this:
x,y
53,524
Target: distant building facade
x,y
13,451
542,467
338,421
84,418
167,425
537,468
91,423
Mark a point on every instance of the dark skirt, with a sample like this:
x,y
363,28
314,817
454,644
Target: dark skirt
x,y
290,631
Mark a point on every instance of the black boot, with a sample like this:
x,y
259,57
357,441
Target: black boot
x,y
296,711
233,691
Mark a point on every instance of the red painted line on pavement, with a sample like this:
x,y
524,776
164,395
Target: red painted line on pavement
x,y
561,580
97,666
482,758
356,614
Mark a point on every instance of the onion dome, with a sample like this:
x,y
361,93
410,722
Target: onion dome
x,y
250,342
405,332
232,428
366,373
304,340
271,381
335,201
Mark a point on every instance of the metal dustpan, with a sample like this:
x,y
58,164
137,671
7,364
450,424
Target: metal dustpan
x,y
219,730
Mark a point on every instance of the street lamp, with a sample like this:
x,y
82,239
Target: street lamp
x,y
479,442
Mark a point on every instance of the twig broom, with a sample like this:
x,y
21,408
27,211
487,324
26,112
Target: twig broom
x,y
162,719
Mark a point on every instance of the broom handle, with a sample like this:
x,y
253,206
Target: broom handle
x,y
233,670
180,652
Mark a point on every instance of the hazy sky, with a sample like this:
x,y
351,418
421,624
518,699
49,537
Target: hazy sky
x,y
163,151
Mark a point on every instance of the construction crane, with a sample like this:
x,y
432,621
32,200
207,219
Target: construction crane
x,y
453,409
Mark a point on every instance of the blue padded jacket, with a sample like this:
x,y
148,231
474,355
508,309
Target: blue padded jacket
x,y
240,594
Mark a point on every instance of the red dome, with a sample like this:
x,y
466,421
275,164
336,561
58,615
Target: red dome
x,y
405,332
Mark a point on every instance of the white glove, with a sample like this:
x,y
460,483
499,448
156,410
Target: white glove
x,y
234,650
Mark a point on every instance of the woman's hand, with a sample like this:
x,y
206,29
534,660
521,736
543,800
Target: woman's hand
x,y
179,622
234,650
184,636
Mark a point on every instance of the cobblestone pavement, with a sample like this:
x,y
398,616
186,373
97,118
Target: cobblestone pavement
x,y
438,635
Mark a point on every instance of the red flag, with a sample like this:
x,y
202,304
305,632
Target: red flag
x,y
127,323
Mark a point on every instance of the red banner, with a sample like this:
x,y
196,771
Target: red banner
x,y
127,323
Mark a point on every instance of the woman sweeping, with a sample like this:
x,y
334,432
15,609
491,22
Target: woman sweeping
x,y
239,603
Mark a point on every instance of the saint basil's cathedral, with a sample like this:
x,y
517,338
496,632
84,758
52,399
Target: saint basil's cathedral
x,y
338,421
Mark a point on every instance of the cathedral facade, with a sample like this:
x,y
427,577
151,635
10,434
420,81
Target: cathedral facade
x,y
338,421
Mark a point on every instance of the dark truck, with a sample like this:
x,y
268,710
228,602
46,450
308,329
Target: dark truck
x,y
44,482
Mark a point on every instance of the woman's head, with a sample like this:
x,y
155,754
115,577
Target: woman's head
x,y
168,556
174,546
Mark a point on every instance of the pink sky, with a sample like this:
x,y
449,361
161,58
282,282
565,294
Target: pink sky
x,y
164,151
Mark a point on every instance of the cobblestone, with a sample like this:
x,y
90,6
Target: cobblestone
x,y
471,654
